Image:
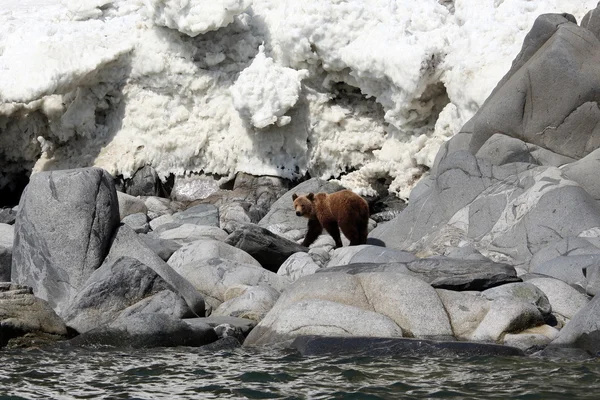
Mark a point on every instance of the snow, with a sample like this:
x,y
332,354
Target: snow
x,y
361,90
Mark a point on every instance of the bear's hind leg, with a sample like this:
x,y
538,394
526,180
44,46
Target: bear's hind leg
x,y
333,229
352,232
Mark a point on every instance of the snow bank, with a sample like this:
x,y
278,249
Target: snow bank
x,y
361,90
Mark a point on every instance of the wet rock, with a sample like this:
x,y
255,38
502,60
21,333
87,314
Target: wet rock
x,y
536,337
249,302
63,231
214,276
126,243
22,313
115,286
442,273
202,214
365,253
406,301
298,265
268,249
373,347
281,218
188,233
194,252
138,222
583,330
129,205
147,330
243,325
224,343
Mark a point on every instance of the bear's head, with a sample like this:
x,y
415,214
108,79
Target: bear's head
x,y
304,205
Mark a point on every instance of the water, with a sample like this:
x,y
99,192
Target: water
x,y
187,373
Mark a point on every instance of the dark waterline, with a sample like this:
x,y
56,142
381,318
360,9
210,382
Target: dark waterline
x,y
187,373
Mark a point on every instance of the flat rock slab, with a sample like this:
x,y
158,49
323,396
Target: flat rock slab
x,y
366,253
147,330
269,249
373,346
442,273
202,214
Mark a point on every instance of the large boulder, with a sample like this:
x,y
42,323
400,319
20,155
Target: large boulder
x,y
188,233
145,182
250,302
564,299
281,218
115,286
22,313
368,304
269,249
126,243
147,330
63,230
366,253
298,265
129,205
583,330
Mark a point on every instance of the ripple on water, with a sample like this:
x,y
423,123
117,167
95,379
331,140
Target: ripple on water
x,y
189,373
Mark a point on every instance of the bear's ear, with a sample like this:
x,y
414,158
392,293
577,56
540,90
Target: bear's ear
x,y
310,196
294,196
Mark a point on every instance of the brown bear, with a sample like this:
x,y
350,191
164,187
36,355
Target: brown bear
x,y
343,210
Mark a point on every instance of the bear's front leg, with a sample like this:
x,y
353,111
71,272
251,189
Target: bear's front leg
x,y
314,230
334,230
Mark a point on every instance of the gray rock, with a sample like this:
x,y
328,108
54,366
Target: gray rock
x,y
569,246
536,337
298,265
193,253
584,172
465,253
321,317
568,268
158,206
507,316
7,234
126,243
501,149
7,216
164,302
138,222
443,273
147,330
145,182
281,218
161,247
508,212
365,253
592,275
583,330
522,291
224,343
63,231
393,304
465,310
130,205
22,313
214,276
591,21
564,299
252,302
193,187
166,219
268,249
242,324
188,233
202,214
115,286
385,347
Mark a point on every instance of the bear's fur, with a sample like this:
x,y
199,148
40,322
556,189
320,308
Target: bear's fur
x,y
343,210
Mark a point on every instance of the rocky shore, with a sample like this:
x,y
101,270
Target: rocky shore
x,y
499,244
